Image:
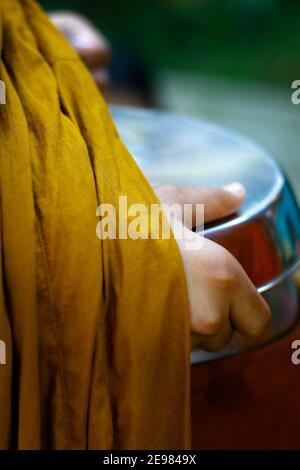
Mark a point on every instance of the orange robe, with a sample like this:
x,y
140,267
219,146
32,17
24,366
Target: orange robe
x,y
96,332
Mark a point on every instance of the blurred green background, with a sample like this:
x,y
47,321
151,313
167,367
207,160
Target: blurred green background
x,y
242,39
228,61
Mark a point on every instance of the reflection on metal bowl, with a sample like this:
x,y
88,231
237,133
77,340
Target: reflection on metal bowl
x,y
264,235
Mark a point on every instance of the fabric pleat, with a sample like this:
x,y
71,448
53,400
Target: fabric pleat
x,y
96,331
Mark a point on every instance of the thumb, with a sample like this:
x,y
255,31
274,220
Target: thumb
x,y
218,203
223,202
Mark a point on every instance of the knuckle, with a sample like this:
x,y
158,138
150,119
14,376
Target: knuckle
x,y
224,274
211,324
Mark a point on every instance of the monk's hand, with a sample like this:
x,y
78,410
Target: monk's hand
x,y
221,296
218,202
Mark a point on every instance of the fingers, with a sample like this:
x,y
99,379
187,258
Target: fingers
x,y
212,321
215,342
222,298
249,313
218,203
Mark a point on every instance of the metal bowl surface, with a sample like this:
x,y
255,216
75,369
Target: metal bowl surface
x,y
264,235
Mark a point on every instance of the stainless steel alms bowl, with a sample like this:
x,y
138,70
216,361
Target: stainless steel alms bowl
x,y
264,235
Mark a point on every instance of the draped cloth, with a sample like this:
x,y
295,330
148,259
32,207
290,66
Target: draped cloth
x,y
96,331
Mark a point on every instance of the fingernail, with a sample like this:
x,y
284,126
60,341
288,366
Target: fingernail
x,y
235,188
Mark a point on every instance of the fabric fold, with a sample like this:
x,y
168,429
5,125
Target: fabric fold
x,y
97,331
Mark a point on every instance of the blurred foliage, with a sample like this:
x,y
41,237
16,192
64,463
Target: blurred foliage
x,y
243,39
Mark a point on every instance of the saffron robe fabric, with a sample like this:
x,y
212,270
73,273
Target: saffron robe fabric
x,y
96,331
